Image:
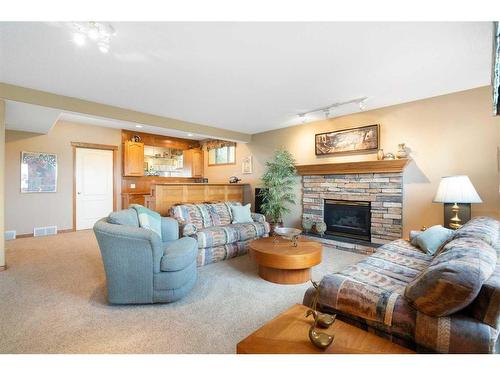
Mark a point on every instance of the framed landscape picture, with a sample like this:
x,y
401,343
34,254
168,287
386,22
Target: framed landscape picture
x,y
38,172
365,138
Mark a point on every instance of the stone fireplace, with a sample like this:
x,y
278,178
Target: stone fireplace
x,y
361,210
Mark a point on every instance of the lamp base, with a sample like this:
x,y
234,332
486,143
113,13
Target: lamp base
x,y
464,215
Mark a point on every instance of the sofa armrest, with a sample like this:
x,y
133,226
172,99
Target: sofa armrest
x,y
258,218
169,229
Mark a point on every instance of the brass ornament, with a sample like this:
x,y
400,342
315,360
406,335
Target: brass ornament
x,y
319,339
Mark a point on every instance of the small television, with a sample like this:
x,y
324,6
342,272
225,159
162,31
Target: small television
x,y
495,74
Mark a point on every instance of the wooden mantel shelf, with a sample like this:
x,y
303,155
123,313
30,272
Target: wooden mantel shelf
x,y
375,166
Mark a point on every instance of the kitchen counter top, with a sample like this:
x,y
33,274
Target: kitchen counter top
x,y
200,183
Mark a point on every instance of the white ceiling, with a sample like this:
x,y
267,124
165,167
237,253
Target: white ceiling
x,y
117,124
250,77
29,118
38,119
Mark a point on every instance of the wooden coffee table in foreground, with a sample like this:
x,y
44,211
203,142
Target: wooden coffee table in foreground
x,y
288,334
281,263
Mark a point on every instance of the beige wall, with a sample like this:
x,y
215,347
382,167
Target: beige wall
x,y
448,135
2,185
23,212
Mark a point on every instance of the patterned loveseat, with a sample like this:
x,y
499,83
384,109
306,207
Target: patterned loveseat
x,y
378,293
211,225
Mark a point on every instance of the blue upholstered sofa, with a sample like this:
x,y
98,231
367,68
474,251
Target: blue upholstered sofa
x,y
140,266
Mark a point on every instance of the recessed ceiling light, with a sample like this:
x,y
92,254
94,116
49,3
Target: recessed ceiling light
x,y
138,126
190,134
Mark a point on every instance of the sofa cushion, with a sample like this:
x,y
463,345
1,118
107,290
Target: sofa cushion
x,y
220,236
371,288
454,277
481,227
124,217
216,236
195,214
249,231
178,254
432,239
220,213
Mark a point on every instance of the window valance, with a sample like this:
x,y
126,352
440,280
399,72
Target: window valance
x,y
217,143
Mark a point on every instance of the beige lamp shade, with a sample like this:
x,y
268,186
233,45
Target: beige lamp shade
x,y
456,189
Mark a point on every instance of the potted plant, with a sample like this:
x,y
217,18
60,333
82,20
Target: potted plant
x,y
278,182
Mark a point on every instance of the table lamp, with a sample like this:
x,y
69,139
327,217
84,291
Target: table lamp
x,y
456,190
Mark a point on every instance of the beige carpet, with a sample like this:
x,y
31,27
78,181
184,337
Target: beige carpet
x,y
52,300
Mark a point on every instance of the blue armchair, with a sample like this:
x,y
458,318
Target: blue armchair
x,y
140,267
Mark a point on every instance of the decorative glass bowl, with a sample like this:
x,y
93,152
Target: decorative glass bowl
x,y
291,234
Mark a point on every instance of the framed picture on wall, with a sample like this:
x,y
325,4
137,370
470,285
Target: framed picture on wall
x,y
362,139
38,172
247,165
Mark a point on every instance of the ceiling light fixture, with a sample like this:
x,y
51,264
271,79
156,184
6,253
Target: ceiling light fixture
x,y
190,134
328,109
79,39
138,126
98,32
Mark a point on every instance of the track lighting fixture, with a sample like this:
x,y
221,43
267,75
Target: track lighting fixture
x,y
328,109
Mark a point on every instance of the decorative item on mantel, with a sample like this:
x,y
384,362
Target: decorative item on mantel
x,y
320,228
319,339
380,154
389,156
234,180
402,152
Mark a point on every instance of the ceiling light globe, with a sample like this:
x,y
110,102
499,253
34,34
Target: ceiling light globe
x,y
79,39
104,48
93,34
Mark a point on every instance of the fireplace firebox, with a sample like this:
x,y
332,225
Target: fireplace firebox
x,y
351,219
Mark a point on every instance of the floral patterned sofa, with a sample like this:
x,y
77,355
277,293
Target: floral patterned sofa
x,y
211,225
397,294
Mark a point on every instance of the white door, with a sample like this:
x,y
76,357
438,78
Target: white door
x,y
94,186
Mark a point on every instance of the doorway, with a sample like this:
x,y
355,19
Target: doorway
x,y
94,190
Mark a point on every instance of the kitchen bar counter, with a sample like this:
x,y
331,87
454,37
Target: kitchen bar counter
x,y
164,195
199,183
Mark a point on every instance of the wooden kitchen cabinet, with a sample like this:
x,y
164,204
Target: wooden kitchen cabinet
x,y
193,163
133,158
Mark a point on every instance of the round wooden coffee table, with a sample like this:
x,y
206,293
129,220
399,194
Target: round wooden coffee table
x,y
281,263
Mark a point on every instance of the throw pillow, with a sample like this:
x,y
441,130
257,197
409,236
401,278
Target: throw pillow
x,y
148,219
241,214
432,239
454,277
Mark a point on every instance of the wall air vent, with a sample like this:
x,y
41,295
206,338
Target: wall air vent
x,y
44,231
10,235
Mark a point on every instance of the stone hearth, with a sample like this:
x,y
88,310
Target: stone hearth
x,y
383,190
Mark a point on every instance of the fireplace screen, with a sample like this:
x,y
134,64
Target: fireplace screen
x,y
348,218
